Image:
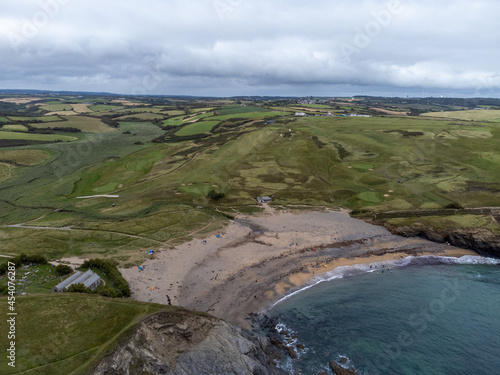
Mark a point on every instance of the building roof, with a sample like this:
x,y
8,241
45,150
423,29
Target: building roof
x,y
91,280
63,284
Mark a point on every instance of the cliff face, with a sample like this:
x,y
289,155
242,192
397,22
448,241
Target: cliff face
x,y
186,343
481,240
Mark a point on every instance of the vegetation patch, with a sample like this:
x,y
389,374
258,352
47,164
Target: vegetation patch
x,y
197,128
68,333
36,137
24,157
83,123
15,127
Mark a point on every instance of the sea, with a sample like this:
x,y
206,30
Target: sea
x,y
425,315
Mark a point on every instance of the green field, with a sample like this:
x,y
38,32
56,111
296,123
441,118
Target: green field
x,y
35,137
229,110
15,127
24,157
197,128
377,164
105,107
60,334
175,121
57,107
471,115
250,115
141,116
84,123
35,118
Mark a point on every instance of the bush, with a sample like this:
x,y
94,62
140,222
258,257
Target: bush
x,y
212,194
23,258
78,288
454,206
63,269
120,284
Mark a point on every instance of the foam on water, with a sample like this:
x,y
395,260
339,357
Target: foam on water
x,y
357,269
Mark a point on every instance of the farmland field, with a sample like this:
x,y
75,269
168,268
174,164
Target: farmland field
x,y
81,108
84,123
376,164
35,137
471,115
57,107
15,127
24,157
105,107
36,118
197,127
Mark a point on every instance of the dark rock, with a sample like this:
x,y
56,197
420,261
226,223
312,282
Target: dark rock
x,y
481,240
339,370
186,343
291,352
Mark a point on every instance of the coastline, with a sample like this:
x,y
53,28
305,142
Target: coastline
x,y
256,260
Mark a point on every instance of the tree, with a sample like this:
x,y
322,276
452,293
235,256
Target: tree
x,y
63,269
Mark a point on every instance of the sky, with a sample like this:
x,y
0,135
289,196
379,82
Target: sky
x,y
252,47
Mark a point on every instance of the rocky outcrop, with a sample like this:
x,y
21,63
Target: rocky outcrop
x,y
339,370
481,240
187,343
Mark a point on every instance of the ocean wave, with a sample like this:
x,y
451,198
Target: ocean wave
x,y
357,269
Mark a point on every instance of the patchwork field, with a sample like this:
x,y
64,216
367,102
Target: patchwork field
x,y
15,127
24,157
472,115
164,190
84,123
36,137
197,128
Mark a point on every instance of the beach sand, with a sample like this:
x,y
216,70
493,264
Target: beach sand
x,y
255,260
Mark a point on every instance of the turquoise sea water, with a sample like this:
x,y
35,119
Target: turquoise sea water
x,y
426,315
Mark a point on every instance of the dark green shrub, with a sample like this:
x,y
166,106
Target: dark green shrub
x,y
63,269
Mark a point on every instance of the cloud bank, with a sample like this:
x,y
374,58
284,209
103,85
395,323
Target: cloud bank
x,y
252,47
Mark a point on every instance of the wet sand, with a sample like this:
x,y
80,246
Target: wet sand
x,y
258,259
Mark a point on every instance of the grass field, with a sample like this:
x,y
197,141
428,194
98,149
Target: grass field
x,y
57,107
84,123
141,116
24,157
15,127
105,108
377,164
35,137
60,334
36,118
197,128
81,108
175,121
470,115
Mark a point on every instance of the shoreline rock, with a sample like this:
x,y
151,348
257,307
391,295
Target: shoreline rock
x,y
481,240
185,343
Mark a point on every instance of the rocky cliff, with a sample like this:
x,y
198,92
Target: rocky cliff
x,y
481,240
187,343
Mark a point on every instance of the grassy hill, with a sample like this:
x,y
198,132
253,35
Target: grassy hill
x,y
66,334
377,164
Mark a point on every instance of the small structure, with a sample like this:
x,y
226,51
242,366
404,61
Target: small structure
x,y
89,279
264,199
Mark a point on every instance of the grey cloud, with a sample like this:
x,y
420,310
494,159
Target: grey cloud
x,y
242,46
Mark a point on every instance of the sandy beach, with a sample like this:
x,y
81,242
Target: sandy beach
x,y
256,260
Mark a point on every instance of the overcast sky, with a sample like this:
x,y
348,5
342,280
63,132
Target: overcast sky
x,y
252,47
